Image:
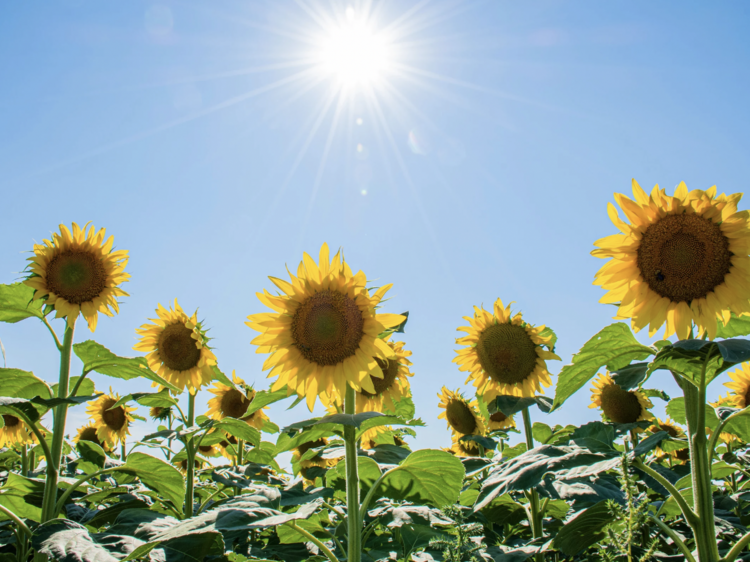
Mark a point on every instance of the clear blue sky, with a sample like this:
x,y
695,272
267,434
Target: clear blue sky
x,y
185,129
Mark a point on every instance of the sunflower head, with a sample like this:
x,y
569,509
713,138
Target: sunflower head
x,y
739,386
673,430
232,402
317,460
617,404
498,420
177,347
112,424
504,354
323,332
77,272
160,413
463,448
209,450
680,260
15,432
461,415
228,446
89,433
392,386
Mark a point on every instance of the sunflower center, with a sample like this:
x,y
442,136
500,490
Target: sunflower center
x,y
77,276
619,405
671,431
327,327
234,404
115,419
89,434
498,417
460,417
683,454
390,372
684,257
177,348
311,445
506,353
10,421
205,449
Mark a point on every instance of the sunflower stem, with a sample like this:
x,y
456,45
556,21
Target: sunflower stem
x,y
123,451
536,515
24,461
190,452
352,482
240,451
58,432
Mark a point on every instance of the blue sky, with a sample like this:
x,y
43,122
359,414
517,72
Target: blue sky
x,y
186,129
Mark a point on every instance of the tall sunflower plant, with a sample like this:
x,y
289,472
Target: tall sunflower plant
x,y
679,262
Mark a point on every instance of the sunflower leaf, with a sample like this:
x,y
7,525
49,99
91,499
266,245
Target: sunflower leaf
x,y
62,539
427,476
157,475
649,443
584,529
614,346
369,472
630,376
510,405
692,359
12,406
352,420
16,303
161,399
53,402
263,398
96,357
486,442
676,411
736,327
23,384
239,429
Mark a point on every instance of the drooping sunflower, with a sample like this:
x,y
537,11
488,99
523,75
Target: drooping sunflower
x,y
617,404
504,355
112,424
463,448
675,432
233,403
89,433
177,348
225,449
683,259
393,385
160,413
210,450
323,333
498,420
740,386
15,432
462,416
77,272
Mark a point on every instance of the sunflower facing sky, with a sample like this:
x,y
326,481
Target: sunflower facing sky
x,y
504,355
111,424
177,348
617,404
683,260
323,333
15,432
77,272
462,417
232,403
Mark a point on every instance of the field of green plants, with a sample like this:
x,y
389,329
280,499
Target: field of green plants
x,y
208,485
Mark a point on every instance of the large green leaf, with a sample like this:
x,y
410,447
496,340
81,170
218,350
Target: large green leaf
x,y
689,358
23,496
426,476
739,425
368,470
584,529
16,303
738,326
23,384
527,470
630,376
263,398
96,357
66,541
676,411
13,406
614,346
157,475
240,429
510,405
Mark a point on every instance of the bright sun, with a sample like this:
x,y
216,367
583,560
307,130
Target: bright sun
x,y
353,52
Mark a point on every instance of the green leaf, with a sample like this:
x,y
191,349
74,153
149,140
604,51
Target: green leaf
x,y
654,393
67,541
351,420
240,429
426,476
96,357
614,346
736,327
630,376
222,378
379,421
160,399
157,475
287,535
23,496
87,387
503,509
650,443
596,436
549,333
541,432
739,425
23,384
13,406
369,472
676,411
486,442
510,405
584,530
263,398
16,303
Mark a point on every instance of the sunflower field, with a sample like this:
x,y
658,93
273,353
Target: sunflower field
x,y
210,485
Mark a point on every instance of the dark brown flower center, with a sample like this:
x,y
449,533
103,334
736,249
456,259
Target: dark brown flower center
x,y
619,405
233,404
177,348
206,449
684,257
683,454
327,327
10,421
460,416
671,431
498,417
114,419
390,372
506,353
89,434
311,445
76,275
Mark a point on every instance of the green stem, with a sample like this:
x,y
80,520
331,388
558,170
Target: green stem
x,y
16,519
371,493
313,539
737,548
123,451
715,435
240,451
689,514
354,527
675,538
190,452
24,461
74,486
337,511
54,335
78,383
536,519
208,499
58,432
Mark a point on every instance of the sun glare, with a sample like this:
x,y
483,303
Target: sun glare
x,y
353,52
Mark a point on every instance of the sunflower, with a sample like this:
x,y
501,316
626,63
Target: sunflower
x,y
504,354
177,348
317,460
394,384
740,387
111,424
160,413
89,433
461,416
728,401
210,450
498,420
675,432
15,432
78,272
617,404
233,403
463,448
323,333
224,444
683,259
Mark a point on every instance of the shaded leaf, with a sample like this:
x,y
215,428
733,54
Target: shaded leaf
x,y
369,472
66,541
630,376
510,405
583,530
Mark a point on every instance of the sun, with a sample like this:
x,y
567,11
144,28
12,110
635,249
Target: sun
x,y
353,52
